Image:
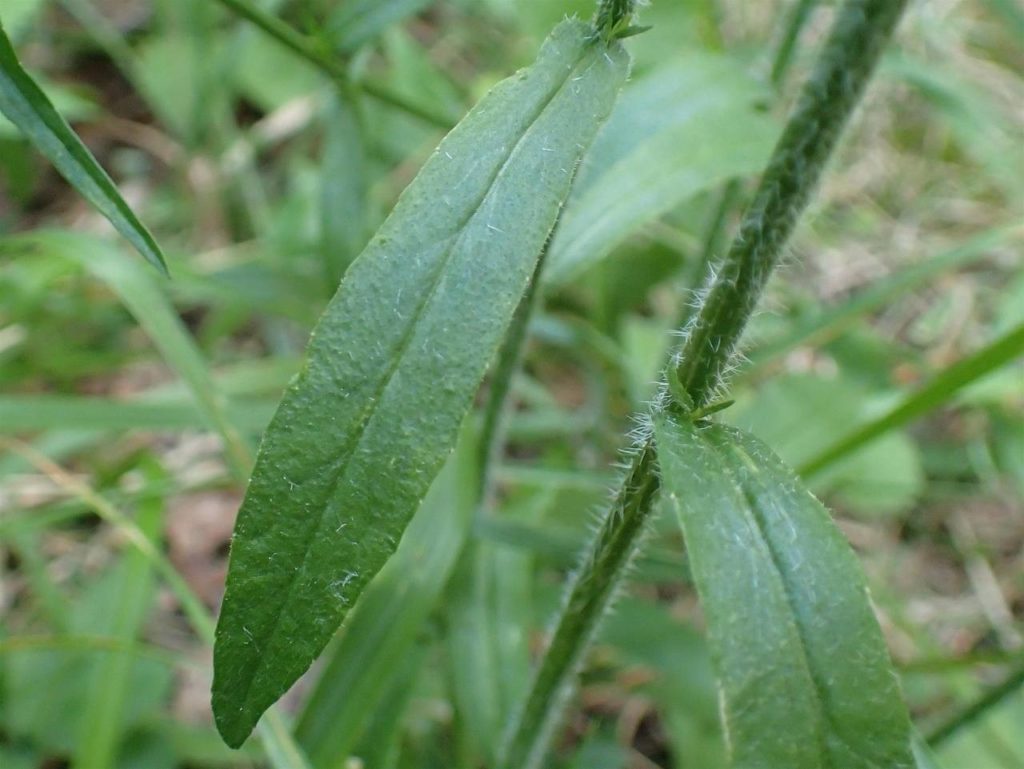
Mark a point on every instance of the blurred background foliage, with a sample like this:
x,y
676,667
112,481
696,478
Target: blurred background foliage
x,y
129,403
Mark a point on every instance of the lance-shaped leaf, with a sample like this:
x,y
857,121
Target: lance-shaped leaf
x,y
393,367
25,105
804,674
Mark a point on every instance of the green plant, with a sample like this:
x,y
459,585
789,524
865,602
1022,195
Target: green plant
x,y
383,502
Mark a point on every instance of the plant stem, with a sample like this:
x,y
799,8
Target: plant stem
x,y
614,16
330,65
991,698
590,594
859,33
833,89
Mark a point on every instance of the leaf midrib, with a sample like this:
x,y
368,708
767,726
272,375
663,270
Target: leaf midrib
x,y
373,402
828,723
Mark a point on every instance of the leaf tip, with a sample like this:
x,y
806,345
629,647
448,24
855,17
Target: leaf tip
x,y
234,722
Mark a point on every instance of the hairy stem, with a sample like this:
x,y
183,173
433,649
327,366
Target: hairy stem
x,y
859,33
829,96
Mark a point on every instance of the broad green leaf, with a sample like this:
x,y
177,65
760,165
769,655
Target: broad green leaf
x,y
685,128
383,627
799,415
393,366
805,676
25,105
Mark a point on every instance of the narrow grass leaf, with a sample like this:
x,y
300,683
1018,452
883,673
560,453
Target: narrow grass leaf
x,y
31,413
149,304
343,188
25,105
938,391
393,366
832,322
804,673
102,725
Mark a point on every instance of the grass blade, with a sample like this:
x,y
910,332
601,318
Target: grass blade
x,y
100,726
31,413
154,312
280,747
831,323
935,393
393,366
1012,683
805,677
25,105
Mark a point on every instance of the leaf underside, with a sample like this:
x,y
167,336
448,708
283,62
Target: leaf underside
x,y
28,108
393,366
804,673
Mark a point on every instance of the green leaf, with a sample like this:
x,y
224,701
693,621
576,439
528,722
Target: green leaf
x,y
147,300
25,105
393,367
937,391
804,673
685,128
103,719
359,21
383,627
343,191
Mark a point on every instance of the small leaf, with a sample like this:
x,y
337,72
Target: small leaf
x,y
25,105
393,367
804,674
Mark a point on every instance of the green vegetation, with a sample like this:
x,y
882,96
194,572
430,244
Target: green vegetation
x,y
536,286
